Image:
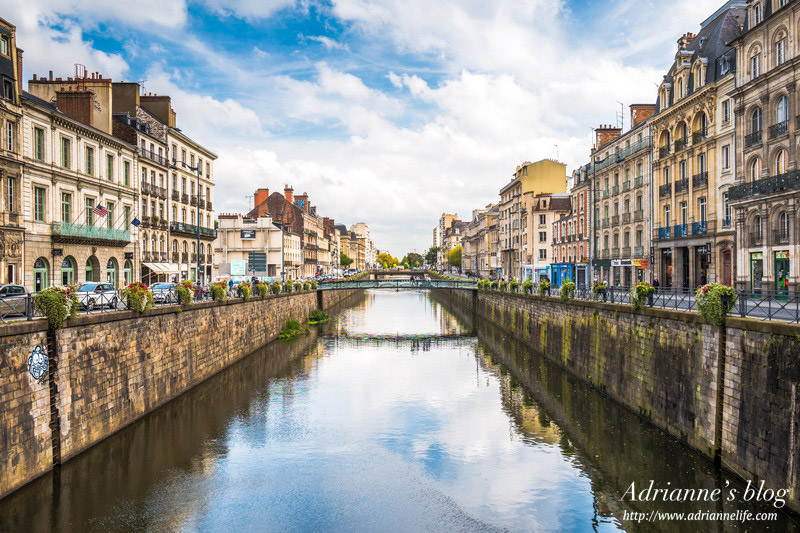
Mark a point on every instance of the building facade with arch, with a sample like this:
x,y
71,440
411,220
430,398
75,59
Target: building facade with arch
x,y
766,193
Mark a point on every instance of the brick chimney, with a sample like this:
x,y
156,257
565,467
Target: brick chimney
x,y
287,192
260,197
641,112
19,72
685,40
605,134
304,197
76,104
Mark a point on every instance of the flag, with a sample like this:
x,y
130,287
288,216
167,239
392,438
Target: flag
x,y
100,210
135,222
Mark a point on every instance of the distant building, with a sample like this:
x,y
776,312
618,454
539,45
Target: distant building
x,y
248,247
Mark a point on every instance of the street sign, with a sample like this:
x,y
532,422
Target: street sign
x,y
257,261
238,267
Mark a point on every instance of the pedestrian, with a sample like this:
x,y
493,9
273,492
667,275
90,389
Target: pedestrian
x,y
656,284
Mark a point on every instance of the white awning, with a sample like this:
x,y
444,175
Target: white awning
x,y
163,268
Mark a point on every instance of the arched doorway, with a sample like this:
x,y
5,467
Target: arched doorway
x,y
92,269
68,270
41,274
128,272
111,272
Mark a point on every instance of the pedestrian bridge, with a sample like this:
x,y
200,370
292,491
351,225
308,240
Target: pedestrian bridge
x,y
397,284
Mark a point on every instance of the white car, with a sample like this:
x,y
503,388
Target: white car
x,y
94,294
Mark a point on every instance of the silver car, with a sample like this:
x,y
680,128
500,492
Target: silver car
x,y
164,293
95,294
13,300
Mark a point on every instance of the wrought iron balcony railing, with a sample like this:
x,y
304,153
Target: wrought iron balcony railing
x,y
626,186
665,190
752,139
680,230
664,232
638,251
191,229
774,184
699,136
699,228
638,215
82,231
755,239
682,185
626,217
638,181
663,151
781,128
680,144
700,180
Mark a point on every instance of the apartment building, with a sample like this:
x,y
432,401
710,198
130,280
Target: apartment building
x,y
247,247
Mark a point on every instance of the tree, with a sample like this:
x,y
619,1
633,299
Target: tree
x,y
386,260
430,257
414,259
454,257
344,260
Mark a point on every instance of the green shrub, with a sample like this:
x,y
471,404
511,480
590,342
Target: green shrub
x,y
567,291
527,286
495,284
307,286
276,287
503,286
291,329
246,290
138,297
219,291
57,304
262,289
543,287
599,287
639,294
288,286
513,284
185,292
298,286
318,316
715,301
313,285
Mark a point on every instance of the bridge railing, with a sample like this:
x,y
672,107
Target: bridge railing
x,y
397,284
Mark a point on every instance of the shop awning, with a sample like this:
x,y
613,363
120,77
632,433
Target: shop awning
x,y
163,268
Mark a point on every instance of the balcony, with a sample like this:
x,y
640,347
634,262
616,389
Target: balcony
x,y
605,222
605,193
615,253
175,196
175,257
201,204
700,180
680,144
780,236
663,151
606,254
779,129
626,217
615,220
626,186
185,198
752,139
681,185
638,215
680,230
596,195
699,136
154,157
193,201
626,251
755,239
664,233
775,184
665,190
638,251
208,206
185,257
699,228
191,229
615,189
65,232
638,181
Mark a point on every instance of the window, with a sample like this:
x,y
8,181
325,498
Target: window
x,y
90,211
780,52
38,144
757,225
666,175
701,163
126,173
638,202
110,216
701,204
757,14
667,219
90,160
174,213
755,121
783,224
109,167
782,110
66,207
726,111
126,216
755,66
542,253
183,185
780,162
39,204
727,209
542,236
755,169
682,167
726,157
174,182
542,219
10,128
11,196
638,240
684,212
680,88
66,152
5,47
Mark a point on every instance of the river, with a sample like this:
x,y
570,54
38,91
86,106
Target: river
x,y
395,416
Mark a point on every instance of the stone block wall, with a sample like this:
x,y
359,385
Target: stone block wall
x,y
113,368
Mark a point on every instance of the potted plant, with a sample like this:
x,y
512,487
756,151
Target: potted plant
x,y
503,286
513,284
262,289
246,290
185,291
276,287
543,288
641,293
599,289
495,285
715,301
138,297
57,304
219,291
567,291
527,286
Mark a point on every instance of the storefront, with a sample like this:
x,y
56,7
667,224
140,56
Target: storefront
x,y
602,268
542,273
561,272
702,259
582,274
666,267
782,273
756,271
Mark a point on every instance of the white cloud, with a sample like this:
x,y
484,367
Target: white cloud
x,y
248,9
327,42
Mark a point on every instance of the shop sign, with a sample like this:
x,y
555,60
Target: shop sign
x,y
782,255
757,255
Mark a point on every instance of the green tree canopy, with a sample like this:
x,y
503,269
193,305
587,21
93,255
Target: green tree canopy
x,y
414,259
344,260
387,261
430,257
454,257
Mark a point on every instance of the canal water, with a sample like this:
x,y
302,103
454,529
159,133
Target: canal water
x,y
396,416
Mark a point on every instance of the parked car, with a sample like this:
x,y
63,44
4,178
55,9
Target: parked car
x,y
13,300
94,294
164,293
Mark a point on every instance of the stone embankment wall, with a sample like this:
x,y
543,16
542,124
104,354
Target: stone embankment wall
x,y
730,393
110,369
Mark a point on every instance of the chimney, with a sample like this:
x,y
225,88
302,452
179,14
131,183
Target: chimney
x,y
76,104
19,72
302,199
287,192
260,197
605,134
641,112
685,40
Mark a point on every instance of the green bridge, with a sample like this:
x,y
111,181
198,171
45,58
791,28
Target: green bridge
x,y
398,284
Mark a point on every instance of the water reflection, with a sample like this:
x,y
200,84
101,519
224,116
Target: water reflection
x,y
396,419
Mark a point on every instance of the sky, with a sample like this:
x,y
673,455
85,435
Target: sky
x,y
386,112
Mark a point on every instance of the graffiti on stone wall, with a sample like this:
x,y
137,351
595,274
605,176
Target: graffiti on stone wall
x,y
38,362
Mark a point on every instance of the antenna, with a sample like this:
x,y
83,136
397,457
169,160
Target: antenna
x,y
80,73
557,158
621,116
247,197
